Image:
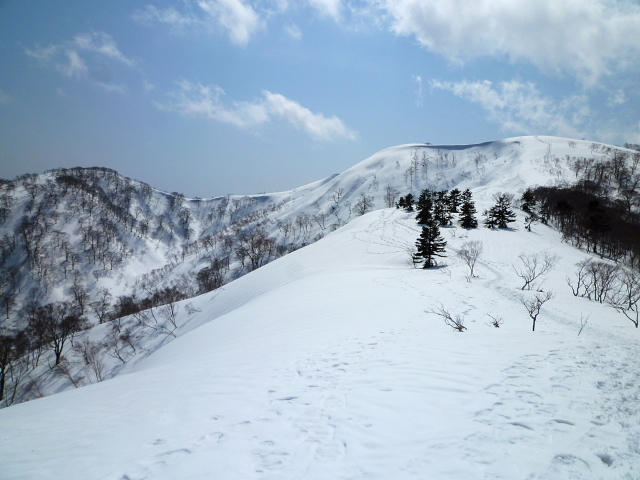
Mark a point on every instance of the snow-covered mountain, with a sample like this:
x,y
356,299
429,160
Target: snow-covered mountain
x,y
91,234
330,363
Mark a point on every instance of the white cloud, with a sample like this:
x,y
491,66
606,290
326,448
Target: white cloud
x,y
236,18
294,31
329,8
74,66
617,98
102,44
520,108
240,20
87,56
419,96
316,125
586,38
206,101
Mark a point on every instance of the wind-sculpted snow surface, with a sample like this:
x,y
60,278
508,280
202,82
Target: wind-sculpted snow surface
x,y
324,365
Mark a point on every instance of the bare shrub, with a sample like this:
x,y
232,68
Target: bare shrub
x,y
190,309
456,324
496,320
534,266
583,323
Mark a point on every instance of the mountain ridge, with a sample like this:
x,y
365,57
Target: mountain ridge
x,y
331,361
160,241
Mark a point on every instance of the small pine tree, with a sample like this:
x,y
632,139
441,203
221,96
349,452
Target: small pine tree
x,y
430,245
406,202
424,207
468,211
500,214
455,200
528,201
441,208
410,200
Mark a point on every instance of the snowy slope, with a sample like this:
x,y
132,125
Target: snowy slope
x,y
166,238
325,365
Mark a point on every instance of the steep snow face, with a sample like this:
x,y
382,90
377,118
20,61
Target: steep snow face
x,y
325,364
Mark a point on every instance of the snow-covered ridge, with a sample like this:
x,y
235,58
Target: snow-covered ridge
x,y
95,237
164,238
325,364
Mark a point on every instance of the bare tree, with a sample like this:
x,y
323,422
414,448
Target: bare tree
x,y
303,222
90,353
60,322
80,295
364,204
102,305
535,303
169,312
390,195
12,348
596,281
256,245
626,300
602,280
534,266
212,277
117,340
64,368
320,219
469,254
456,324
337,195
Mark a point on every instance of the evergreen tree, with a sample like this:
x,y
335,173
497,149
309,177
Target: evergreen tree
x,y
468,211
500,214
424,207
410,200
441,208
454,200
406,202
430,245
528,201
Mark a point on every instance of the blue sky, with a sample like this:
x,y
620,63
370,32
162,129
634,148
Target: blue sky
x,y
209,97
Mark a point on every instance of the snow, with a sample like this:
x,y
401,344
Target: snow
x,y
324,364
170,258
